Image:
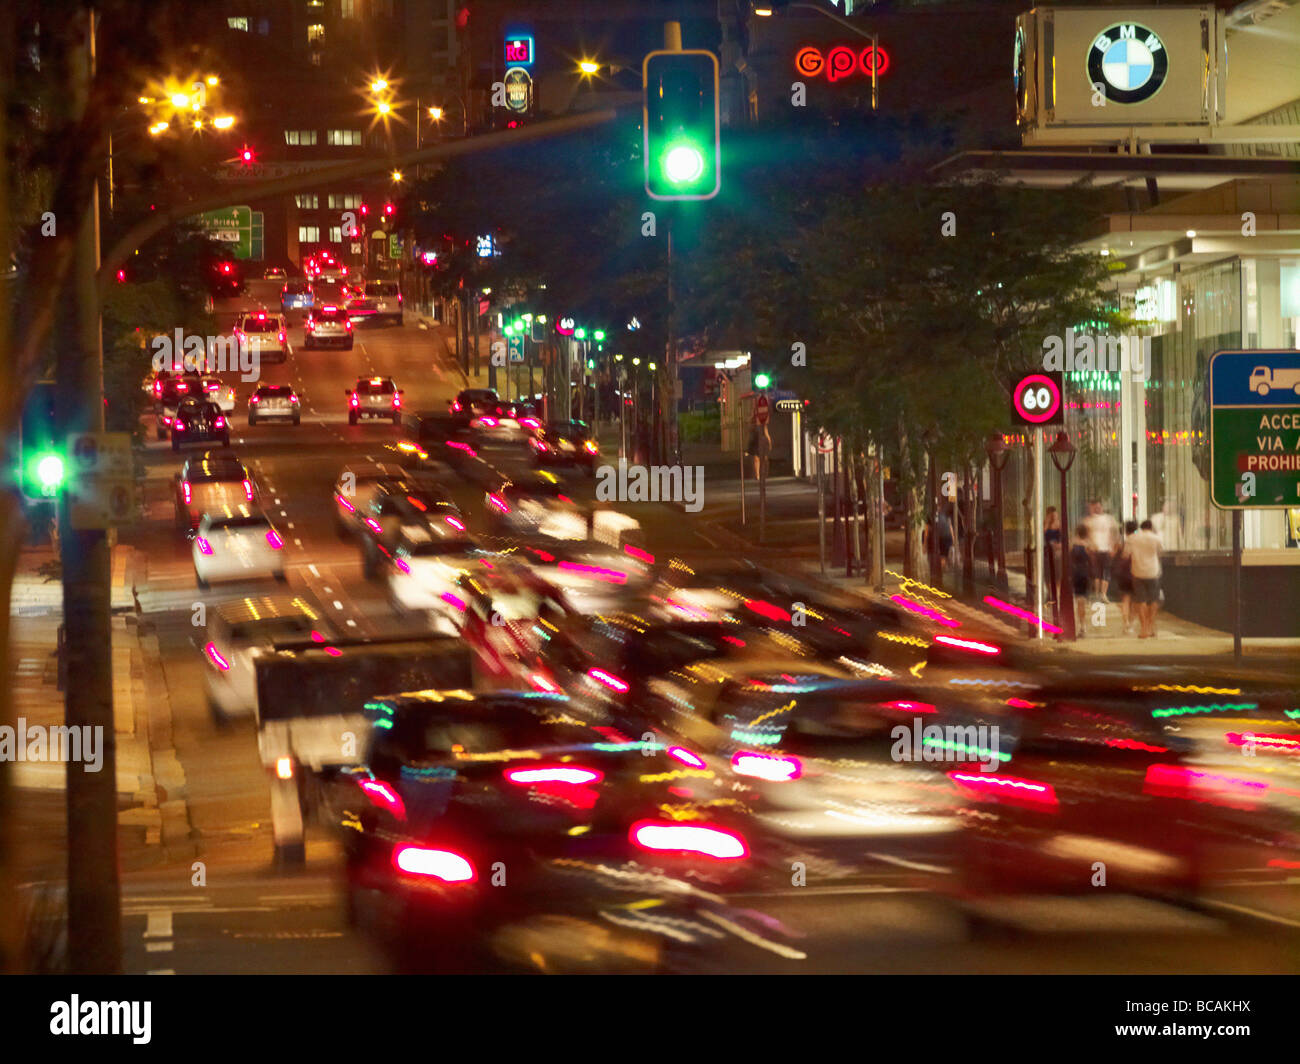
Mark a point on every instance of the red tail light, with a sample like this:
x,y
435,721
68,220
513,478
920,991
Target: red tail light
x,y
663,837
253,400
383,796
642,556
554,774
178,425
686,757
274,539
973,645
355,401
204,546
186,491
248,490
446,865
281,336
1007,789
456,523
345,504
216,659
608,679
612,576
293,398
490,422
766,766
456,406
374,526
766,609
397,402
219,423
348,325
499,503
590,447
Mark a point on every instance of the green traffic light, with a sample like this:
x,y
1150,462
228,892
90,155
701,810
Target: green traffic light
x,y
49,473
599,334
762,380
579,334
683,164
591,363
508,330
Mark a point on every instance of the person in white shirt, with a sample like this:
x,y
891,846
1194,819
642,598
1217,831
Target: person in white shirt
x,y
1143,549
1102,534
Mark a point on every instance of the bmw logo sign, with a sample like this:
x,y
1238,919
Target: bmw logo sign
x,y
1130,61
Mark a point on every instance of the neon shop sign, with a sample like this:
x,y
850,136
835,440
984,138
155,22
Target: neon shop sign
x,y
841,62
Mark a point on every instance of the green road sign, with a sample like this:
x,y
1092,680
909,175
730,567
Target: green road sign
x,y
394,246
516,343
1255,430
232,227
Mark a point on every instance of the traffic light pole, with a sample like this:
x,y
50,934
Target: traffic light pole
x,y
94,907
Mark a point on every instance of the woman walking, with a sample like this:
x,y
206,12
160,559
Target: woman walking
x,y
1121,569
1080,575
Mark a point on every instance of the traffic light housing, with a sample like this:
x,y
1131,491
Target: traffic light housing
x,y
682,124
42,464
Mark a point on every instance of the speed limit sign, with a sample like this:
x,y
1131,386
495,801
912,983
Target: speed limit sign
x,y
825,444
1039,399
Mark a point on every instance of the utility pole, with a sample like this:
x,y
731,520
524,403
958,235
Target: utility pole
x,y
94,904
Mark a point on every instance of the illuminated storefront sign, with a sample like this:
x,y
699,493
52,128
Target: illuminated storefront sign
x,y
841,62
519,51
1130,61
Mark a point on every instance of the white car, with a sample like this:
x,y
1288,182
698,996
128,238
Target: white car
x,y
425,572
220,393
238,632
265,333
237,543
355,490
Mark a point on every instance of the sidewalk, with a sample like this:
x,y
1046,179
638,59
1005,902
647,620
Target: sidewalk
x,y
146,768
790,542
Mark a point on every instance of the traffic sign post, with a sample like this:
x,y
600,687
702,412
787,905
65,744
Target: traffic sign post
x,y
102,483
1254,443
1038,401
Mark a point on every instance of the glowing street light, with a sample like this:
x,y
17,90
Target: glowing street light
x,y
397,176
180,101
588,66
223,122
435,113
213,80
384,107
378,85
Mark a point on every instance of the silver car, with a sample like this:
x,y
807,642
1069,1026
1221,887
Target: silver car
x,y
374,397
328,326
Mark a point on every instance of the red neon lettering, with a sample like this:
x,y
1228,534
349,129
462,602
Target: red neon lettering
x,y
840,63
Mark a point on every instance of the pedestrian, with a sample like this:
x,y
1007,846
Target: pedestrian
x,y
1121,571
1051,550
943,530
1080,574
1143,549
1102,534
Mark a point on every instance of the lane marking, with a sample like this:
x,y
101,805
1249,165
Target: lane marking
x,y
159,924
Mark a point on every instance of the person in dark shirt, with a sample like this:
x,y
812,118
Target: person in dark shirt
x,y
1080,575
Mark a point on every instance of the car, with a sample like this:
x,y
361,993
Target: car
x,y
326,290
426,564
220,393
264,333
201,421
326,326
275,273
456,788
412,501
376,299
210,482
374,397
296,295
353,491
565,443
594,576
274,402
472,403
535,504
508,614
168,394
238,631
510,423
237,543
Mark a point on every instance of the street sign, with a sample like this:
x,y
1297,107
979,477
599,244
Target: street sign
x,y
519,90
1255,430
762,410
1039,399
516,347
232,226
789,404
825,442
102,485
394,246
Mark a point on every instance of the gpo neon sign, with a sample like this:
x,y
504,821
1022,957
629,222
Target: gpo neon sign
x,y
841,62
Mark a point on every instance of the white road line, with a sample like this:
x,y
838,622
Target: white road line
x,y
328,590
161,971
914,865
158,947
337,604
313,570
1258,914
351,623
297,543
159,924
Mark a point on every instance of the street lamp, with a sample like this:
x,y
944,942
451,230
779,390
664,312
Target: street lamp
x,y
995,446
1062,452
588,67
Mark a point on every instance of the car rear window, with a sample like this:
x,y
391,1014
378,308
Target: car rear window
x,y
271,628
330,314
477,395
240,521
296,288
272,391
375,388
260,325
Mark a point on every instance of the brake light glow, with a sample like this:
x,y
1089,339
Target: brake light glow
x,y
688,838
453,600
254,400
401,565
590,447
612,576
284,768
911,707
446,865
1287,744
495,500
204,546
215,657
178,425
969,644
489,422
293,398
348,325
374,526
456,523
274,539
925,611
281,336
186,491
355,401
766,766
608,679
766,609
541,683
531,422
554,774
686,757
219,423
639,554
455,405
397,402
345,504
1007,788
384,797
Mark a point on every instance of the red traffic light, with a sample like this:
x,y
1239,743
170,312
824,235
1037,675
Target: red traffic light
x,y
226,267
247,156
364,210
388,208
121,276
